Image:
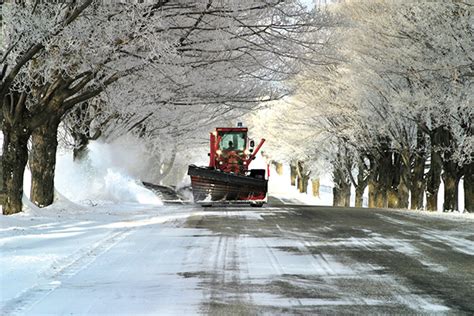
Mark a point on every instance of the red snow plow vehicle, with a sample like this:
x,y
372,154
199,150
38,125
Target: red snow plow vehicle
x,y
228,178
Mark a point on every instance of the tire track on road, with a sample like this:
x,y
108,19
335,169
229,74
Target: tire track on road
x,y
230,284
278,267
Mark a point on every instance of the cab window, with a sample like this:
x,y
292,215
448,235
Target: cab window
x,y
233,141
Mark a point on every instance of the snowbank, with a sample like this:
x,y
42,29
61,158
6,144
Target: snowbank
x,y
440,214
279,186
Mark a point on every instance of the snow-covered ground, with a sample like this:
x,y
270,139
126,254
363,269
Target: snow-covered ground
x,y
279,186
144,259
41,248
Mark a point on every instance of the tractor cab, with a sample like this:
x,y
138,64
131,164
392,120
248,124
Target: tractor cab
x,y
231,150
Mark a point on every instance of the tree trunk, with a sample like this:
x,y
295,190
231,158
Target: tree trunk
x,y
15,157
417,184
300,184
304,184
403,185
362,181
377,196
451,184
403,194
303,177
393,171
293,174
393,200
278,167
372,194
303,181
316,185
417,178
43,162
337,196
347,195
469,188
432,189
384,179
342,189
434,174
359,196
451,172
342,195
381,198
336,191
372,182
2,186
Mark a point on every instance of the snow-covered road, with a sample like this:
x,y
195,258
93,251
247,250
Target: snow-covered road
x,y
277,260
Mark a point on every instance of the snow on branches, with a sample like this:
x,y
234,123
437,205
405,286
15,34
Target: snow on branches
x,y
397,93
161,63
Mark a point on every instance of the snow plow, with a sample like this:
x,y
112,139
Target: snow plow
x,y
228,178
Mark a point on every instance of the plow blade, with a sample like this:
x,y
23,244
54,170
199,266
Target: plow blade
x,y
212,186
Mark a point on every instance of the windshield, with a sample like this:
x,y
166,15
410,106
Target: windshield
x,y
233,141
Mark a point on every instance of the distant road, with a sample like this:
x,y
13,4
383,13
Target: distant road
x,y
280,259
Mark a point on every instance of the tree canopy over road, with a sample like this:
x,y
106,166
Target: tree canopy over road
x,y
393,110
137,68
380,91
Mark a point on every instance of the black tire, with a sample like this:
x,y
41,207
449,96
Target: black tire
x,y
206,205
256,204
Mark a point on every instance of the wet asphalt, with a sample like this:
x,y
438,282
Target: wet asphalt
x,y
306,260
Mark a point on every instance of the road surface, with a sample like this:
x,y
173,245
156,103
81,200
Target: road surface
x,y
276,260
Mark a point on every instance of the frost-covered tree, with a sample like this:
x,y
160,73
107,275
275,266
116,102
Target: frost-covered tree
x,y
175,54
419,58
290,138
56,56
397,98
